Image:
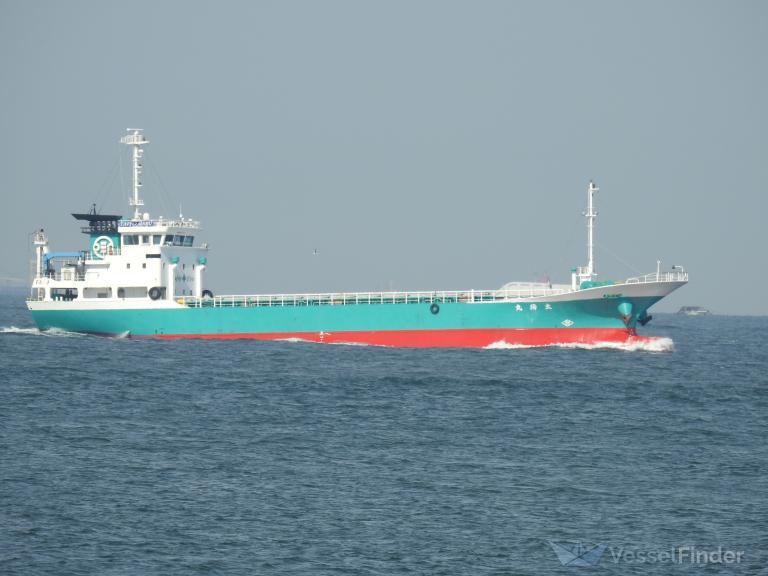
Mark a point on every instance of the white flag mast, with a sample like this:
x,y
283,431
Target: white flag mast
x,y
591,216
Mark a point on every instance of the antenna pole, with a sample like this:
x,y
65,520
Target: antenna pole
x,y
591,216
135,138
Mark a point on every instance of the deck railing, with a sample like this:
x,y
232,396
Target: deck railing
x,y
347,298
87,256
512,292
91,258
673,276
65,276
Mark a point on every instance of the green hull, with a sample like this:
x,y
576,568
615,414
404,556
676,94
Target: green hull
x,y
305,321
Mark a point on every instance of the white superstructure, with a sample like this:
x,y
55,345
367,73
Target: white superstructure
x,y
129,260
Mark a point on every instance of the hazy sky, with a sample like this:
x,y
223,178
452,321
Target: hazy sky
x,y
419,145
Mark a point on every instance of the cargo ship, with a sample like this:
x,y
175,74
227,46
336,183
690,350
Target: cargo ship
x,y
145,277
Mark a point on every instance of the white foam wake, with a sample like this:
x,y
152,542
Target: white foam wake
x,y
36,332
645,344
504,345
305,341
17,330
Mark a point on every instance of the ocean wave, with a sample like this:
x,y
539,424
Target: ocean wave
x,y
640,344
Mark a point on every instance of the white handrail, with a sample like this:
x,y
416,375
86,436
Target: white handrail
x,y
518,291
347,298
673,276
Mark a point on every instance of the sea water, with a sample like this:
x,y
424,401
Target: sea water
x,y
122,456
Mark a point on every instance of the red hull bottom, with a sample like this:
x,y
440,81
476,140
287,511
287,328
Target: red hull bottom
x,y
459,338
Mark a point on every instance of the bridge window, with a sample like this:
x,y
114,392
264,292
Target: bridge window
x,y
145,239
157,239
178,240
188,240
130,239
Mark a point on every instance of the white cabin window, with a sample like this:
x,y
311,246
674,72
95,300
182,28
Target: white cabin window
x,y
188,240
97,292
145,239
128,265
132,292
130,239
157,239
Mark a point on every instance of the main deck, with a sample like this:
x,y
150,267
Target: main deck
x,y
519,291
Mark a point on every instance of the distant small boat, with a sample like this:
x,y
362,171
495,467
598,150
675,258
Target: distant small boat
x,y
694,311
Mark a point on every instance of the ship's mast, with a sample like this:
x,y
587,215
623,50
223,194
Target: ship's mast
x,y
40,241
136,139
591,216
